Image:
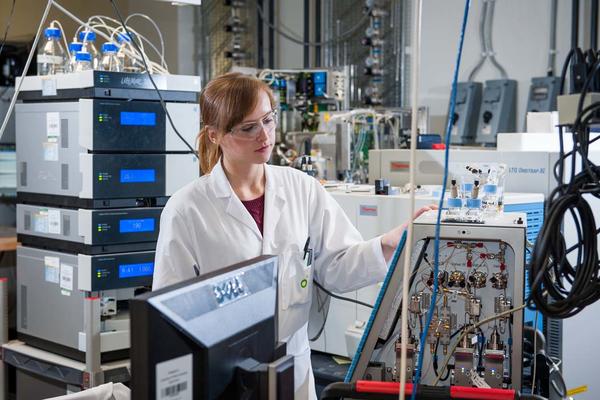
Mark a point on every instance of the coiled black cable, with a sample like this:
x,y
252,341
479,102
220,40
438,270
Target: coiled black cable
x,y
562,286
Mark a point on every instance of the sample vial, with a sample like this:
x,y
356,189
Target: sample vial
x,y
473,212
454,212
490,199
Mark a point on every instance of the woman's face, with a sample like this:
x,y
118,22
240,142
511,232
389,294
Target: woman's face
x,y
252,140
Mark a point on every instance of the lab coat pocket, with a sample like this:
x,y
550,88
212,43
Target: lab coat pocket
x,y
296,280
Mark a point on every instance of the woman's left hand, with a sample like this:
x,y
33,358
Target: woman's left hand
x,y
390,240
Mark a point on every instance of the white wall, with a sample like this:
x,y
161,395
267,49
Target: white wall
x,y
290,13
176,24
520,39
185,43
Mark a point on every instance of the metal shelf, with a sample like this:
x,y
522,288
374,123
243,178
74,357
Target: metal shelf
x,y
58,368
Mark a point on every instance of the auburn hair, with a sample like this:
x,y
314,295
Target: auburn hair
x,y
224,102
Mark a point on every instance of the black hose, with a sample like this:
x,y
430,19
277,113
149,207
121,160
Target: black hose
x,y
335,296
562,286
574,24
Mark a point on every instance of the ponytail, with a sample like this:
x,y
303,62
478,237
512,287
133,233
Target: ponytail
x,y
208,152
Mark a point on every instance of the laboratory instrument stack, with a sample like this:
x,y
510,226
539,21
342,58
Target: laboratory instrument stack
x,y
97,159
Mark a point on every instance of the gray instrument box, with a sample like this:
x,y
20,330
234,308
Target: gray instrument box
x,y
543,93
505,241
51,293
55,166
466,112
498,110
107,125
109,85
89,231
569,103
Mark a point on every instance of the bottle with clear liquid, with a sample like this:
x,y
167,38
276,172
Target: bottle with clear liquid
x,y
88,41
455,203
74,47
83,61
473,212
129,64
110,61
455,209
490,199
51,55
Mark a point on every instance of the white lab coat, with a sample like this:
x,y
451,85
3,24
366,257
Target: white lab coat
x,y
204,224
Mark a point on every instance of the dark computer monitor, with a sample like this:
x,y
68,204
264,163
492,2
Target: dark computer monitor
x,y
200,338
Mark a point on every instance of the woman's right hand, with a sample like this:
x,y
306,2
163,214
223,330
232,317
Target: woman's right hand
x,y
390,240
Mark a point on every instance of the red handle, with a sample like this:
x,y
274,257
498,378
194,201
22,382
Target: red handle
x,y
468,393
456,392
381,387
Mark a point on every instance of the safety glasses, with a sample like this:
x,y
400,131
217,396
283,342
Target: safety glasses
x,y
251,130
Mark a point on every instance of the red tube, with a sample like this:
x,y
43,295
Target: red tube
x,y
456,392
462,392
381,387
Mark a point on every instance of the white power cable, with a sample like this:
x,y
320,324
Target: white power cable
x,y
148,42
415,67
482,41
160,36
100,24
109,29
488,38
26,68
355,113
63,34
108,38
112,31
82,24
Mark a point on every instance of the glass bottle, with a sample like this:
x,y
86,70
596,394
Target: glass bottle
x,y
83,61
51,56
88,40
74,47
110,61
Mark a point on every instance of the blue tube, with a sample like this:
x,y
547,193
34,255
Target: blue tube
x,y
441,202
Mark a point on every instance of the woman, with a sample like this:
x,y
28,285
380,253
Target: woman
x,y
242,208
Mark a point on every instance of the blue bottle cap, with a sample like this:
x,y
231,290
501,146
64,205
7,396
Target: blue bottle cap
x,y
83,56
109,47
75,47
123,37
52,33
455,202
474,203
490,189
89,36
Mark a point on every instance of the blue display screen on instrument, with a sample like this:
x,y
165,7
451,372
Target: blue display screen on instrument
x,y
129,118
138,175
135,270
136,225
